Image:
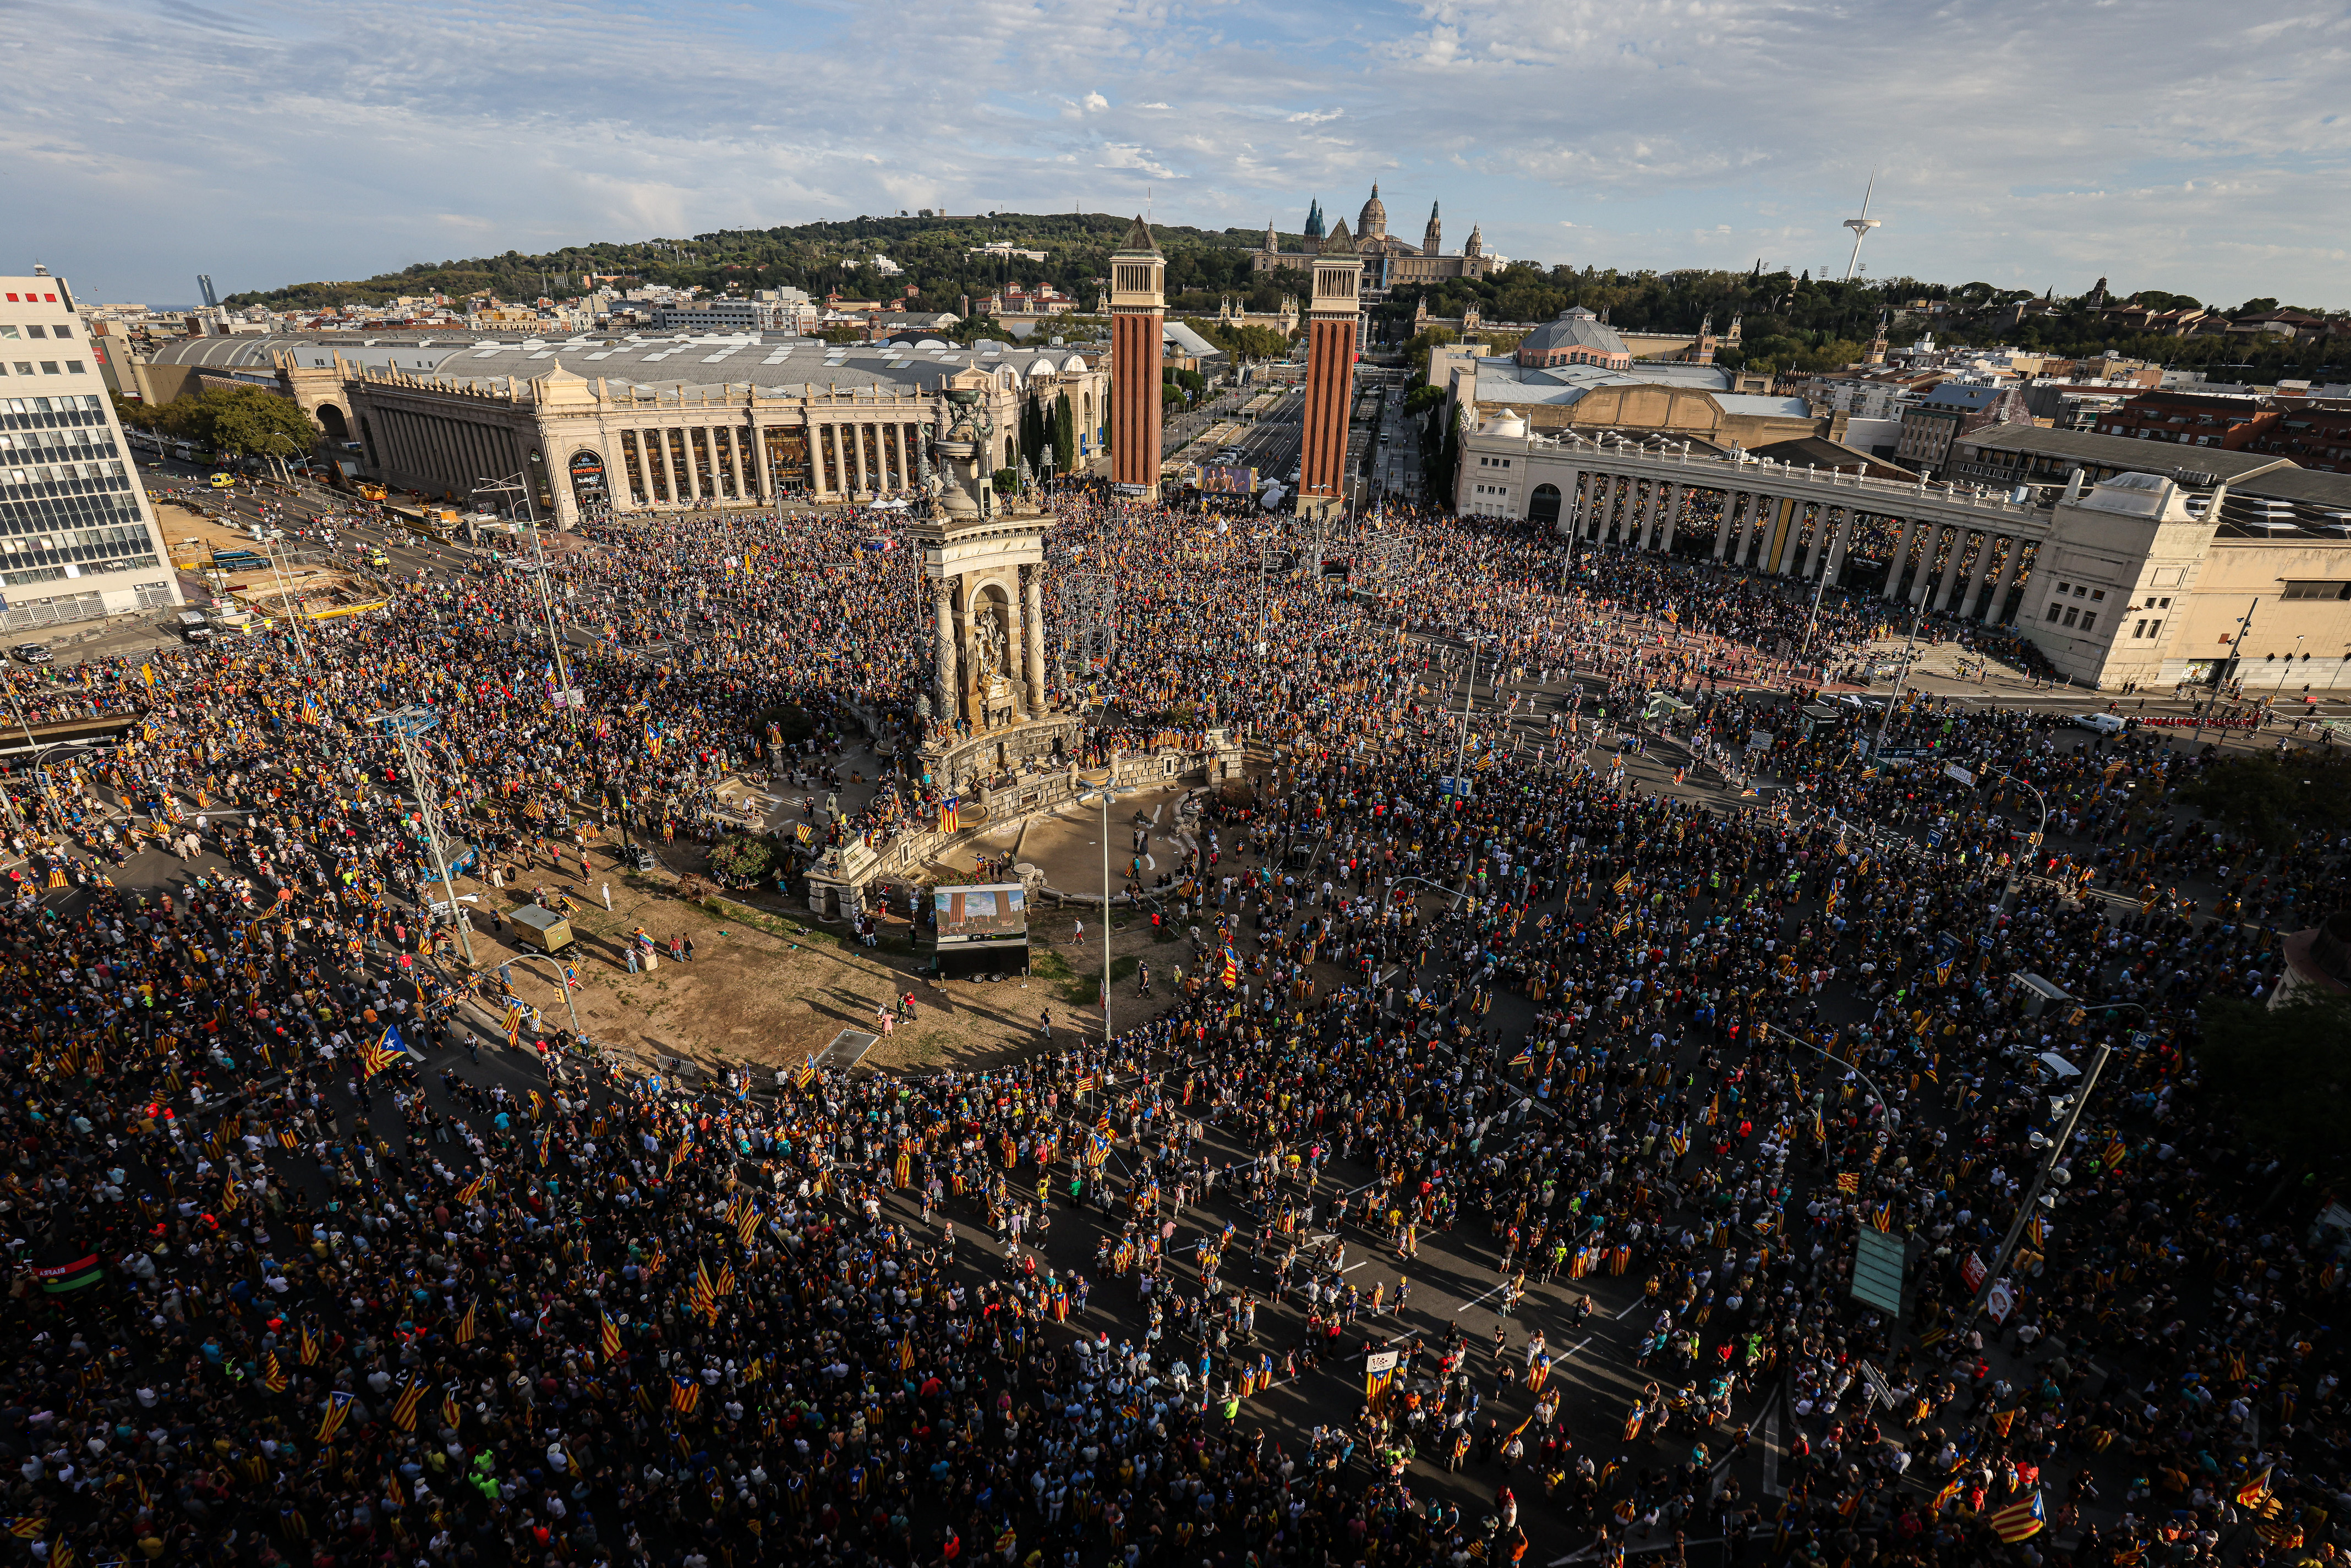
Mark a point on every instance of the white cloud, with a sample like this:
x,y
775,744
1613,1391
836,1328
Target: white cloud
x,y
2166,143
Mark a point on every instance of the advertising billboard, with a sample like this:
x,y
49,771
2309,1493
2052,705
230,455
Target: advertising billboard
x,y
997,912
1228,481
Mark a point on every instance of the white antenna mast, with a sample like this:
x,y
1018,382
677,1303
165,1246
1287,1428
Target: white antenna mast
x,y
1860,225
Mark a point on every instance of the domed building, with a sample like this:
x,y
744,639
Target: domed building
x,y
1387,260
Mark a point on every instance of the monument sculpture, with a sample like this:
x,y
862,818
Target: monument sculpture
x,y
989,713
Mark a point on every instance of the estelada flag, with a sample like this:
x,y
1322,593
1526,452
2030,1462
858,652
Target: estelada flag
x,y
378,1058
2254,1490
611,1338
338,1405
309,1349
451,1411
685,1394
2020,1521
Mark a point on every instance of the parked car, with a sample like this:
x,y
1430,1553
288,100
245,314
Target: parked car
x,y
31,653
2104,723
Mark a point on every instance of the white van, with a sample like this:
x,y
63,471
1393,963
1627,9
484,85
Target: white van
x,y
2103,723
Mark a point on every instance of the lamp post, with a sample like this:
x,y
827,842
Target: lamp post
x,y
1101,794
406,726
2057,1147
2284,669
563,984
519,484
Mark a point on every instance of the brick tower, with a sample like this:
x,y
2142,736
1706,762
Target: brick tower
x,y
1331,316
1138,314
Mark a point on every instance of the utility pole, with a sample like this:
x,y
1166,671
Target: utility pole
x,y
1917,613
405,725
2032,1195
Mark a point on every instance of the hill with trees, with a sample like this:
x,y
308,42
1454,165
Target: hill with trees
x,y
1790,322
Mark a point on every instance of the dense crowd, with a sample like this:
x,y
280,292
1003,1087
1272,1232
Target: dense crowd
x,y
302,1276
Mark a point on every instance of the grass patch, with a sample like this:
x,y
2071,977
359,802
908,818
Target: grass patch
x,y
776,926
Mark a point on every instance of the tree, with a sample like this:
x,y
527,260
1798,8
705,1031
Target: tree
x,y
741,859
242,421
2275,799
841,332
1065,435
1417,347
2285,1075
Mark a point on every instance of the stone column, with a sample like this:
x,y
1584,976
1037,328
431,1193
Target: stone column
x,y
943,605
1960,538
1848,520
2007,579
1978,568
841,485
1746,529
1901,555
1676,503
1650,514
660,434
1722,523
1033,626
1925,583
1799,544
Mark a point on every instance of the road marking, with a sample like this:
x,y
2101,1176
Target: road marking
x,y
1629,1311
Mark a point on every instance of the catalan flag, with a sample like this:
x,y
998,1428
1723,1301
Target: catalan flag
x,y
951,815
2256,1489
465,1334
273,1376
452,1413
31,1527
308,1347
611,1338
1232,976
338,1405
375,1058
1525,1058
685,1394
702,1296
403,1406
806,1076
746,1222
471,1190
2020,1521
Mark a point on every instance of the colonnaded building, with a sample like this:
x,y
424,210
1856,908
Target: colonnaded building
x,y
630,423
2123,560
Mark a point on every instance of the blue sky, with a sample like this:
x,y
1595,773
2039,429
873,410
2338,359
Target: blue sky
x,y
2032,143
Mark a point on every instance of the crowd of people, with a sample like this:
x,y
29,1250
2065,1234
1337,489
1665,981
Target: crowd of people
x,y
1472,999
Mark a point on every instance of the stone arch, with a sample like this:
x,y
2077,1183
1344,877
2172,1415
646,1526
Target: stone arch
x,y
1542,507
589,481
332,421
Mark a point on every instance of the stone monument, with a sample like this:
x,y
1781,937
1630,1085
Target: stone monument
x,y
985,563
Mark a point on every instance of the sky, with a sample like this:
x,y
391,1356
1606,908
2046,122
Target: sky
x,y
2173,144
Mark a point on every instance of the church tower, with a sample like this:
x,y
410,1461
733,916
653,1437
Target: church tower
x,y
1371,222
1878,344
1314,222
1704,354
1730,338
1331,319
1138,318
1432,239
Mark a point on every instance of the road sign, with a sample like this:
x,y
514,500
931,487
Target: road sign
x,y
1877,1381
1877,1261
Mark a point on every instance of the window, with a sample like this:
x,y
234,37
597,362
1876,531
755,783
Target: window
x,y
2069,614
2064,587
73,367
2097,596
2317,591
2089,620
2162,604
35,331
49,367
2056,610
2138,632
8,334
61,331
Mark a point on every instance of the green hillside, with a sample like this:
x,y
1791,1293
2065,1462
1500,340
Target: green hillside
x,y
823,258
1790,321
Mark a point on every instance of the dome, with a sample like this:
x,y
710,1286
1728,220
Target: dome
x,y
1374,219
1506,424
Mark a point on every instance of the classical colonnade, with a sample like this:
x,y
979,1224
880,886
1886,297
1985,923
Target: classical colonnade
x,y
1950,553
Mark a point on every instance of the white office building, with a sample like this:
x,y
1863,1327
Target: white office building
x,y
78,539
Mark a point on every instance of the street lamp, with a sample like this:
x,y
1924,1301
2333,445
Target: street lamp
x,y
1101,794
519,484
2287,666
407,726
563,982
2057,1147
